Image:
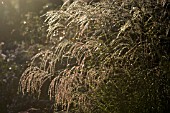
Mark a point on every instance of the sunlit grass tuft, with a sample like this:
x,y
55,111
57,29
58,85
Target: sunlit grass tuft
x,y
102,58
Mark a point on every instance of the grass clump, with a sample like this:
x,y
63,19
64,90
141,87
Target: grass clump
x,y
104,58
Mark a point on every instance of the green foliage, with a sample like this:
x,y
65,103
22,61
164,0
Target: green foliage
x,y
104,58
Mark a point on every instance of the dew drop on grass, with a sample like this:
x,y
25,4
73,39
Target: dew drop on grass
x,y
61,38
68,65
10,68
24,22
54,34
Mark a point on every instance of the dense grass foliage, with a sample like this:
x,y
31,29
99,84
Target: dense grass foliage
x,y
107,57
